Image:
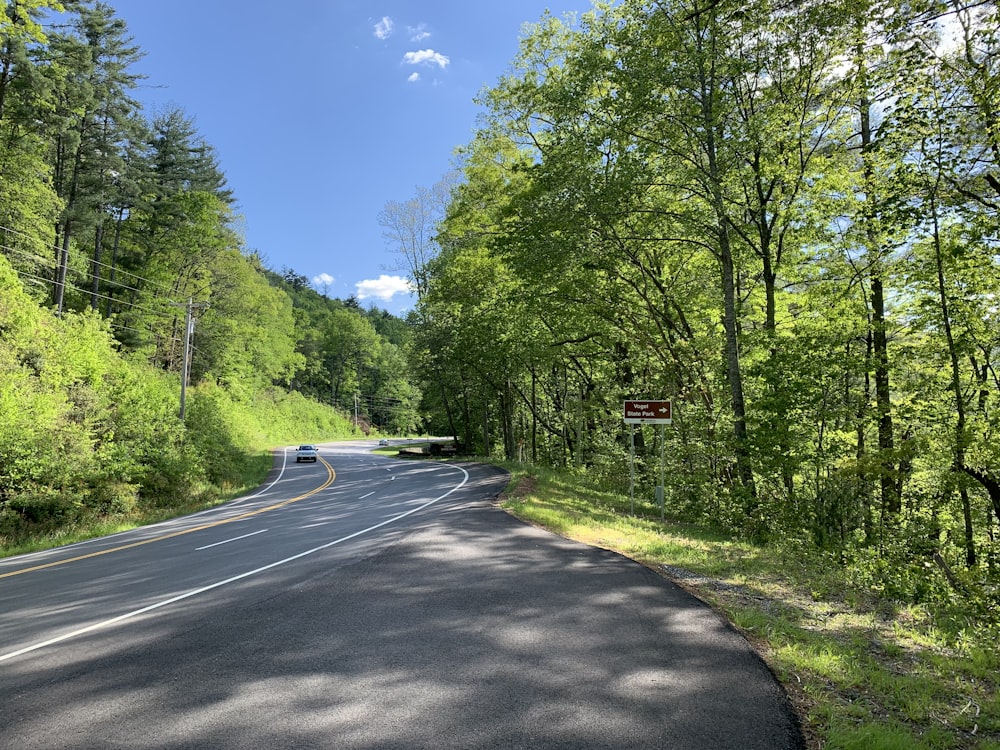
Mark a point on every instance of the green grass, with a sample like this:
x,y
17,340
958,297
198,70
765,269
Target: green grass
x,y
863,674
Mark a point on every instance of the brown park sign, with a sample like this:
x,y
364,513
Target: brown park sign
x,y
648,412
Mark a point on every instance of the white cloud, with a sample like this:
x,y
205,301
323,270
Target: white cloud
x,y
384,287
383,29
414,77
426,57
323,279
418,33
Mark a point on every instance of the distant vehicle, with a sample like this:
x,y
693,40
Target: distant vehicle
x,y
383,441
306,453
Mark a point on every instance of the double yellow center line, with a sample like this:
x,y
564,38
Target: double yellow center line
x,y
331,476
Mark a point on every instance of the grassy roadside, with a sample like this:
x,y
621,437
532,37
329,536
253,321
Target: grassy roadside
x,y
252,473
864,674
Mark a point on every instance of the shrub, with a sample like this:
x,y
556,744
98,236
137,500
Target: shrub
x,y
116,498
44,506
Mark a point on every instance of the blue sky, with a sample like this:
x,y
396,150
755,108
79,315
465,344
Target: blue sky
x,y
322,111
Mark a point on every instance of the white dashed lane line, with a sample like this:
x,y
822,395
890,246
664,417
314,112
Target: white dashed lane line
x,y
227,541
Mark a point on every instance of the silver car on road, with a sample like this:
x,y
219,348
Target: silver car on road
x,y
306,453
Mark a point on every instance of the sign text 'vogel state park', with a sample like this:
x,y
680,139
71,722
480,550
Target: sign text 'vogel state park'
x,y
648,412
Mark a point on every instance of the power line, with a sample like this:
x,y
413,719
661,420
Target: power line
x,y
41,281
153,339
52,264
118,326
153,336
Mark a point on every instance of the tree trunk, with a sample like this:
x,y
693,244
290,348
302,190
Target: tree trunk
x,y
6,74
63,263
467,424
886,443
447,405
534,416
95,268
734,374
861,448
113,277
971,558
989,483
961,438
883,399
507,413
486,426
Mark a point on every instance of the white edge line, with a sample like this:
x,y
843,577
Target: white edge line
x,y
227,541
233,579
262,490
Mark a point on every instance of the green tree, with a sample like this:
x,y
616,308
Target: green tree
x,y
350,350
21,31
28,204
91,75
246,337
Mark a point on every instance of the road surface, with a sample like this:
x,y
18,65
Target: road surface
x,y
367,602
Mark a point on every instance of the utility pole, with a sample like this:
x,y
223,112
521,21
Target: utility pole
x,y
188,335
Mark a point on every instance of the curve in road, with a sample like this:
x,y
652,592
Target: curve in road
x,y
456,626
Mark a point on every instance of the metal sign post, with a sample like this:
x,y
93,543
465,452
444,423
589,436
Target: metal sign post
x,y
647,412
662,489
631,483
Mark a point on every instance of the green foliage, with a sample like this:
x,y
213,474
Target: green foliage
x,y
351,358
725,208
289,417
220,432
124,223
886,737
247,335
86,433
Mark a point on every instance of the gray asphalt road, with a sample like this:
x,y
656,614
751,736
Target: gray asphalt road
x,y
454,626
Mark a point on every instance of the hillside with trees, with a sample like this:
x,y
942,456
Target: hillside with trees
x,y
785,218
782,217
118,237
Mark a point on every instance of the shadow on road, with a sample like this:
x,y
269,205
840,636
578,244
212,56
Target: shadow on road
x,y
472,630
